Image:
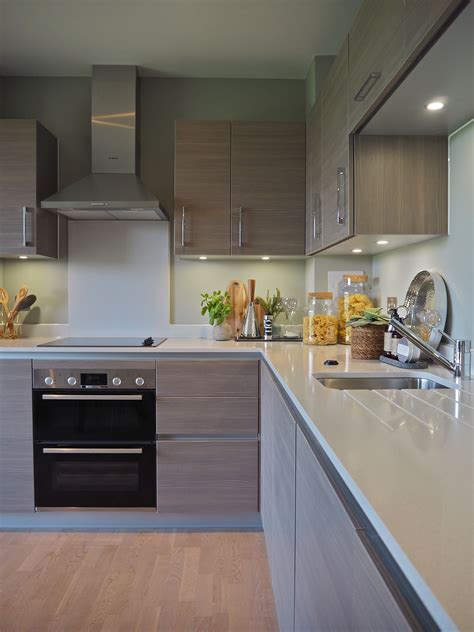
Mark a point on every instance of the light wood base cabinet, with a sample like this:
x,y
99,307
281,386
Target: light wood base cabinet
x,y
16,437
278,495
337,586
207,476
207,418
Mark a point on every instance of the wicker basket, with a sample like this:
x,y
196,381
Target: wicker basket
x,y
367,342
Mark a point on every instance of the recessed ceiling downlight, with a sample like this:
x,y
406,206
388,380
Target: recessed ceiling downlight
x,y
435,105
357,250
202,258
265,258
382,242
22,257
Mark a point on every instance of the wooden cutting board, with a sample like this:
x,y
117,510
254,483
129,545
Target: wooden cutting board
x,y
239,300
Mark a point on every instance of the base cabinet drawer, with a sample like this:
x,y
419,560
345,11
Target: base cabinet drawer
x,y
236,416
201,378
202,476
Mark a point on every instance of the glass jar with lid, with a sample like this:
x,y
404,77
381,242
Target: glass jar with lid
x,y
352,301
320,323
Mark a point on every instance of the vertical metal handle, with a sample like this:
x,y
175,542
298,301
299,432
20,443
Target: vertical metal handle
x,y
183,225
367,86
341,195
316,213
24,214
240,227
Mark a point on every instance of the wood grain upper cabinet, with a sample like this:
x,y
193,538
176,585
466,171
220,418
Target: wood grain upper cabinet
x,y
268,188
16,437
422,17
28,174
337,179
337,585
314,179
401,185
376,53
278,495
202,188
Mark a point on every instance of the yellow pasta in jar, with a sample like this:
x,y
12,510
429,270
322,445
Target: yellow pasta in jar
x,y
349,306
320,329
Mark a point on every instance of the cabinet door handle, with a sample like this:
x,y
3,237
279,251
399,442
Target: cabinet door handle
x,y
240,227
317,213
183,225
341,195
367,86
25,212
92,450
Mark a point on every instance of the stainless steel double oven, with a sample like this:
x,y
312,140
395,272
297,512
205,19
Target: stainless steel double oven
x,y
94,431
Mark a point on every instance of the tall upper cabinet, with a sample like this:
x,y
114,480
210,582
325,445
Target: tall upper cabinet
x,y
28,174
314,180
337,206
268,188
368,183
202,188
239,188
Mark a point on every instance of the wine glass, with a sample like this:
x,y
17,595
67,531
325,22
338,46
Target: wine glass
x,y
290,307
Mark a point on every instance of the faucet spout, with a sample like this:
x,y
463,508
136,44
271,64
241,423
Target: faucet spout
x,y
460,366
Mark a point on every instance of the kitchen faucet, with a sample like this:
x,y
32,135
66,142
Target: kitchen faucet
x,y
461,363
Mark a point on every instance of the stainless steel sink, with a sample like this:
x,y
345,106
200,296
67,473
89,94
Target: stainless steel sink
x,y
377,383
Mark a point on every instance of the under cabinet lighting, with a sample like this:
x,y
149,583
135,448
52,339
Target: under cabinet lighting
x,y
382,242
202,258
22,257
265,258
356,250
435,105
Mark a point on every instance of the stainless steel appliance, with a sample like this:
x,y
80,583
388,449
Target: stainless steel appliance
x,y
94,432
104,342
114,190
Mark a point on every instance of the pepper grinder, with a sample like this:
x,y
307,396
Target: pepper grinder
x,y
250,327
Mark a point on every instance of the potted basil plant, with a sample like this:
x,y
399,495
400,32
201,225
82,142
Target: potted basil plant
x,y
218,306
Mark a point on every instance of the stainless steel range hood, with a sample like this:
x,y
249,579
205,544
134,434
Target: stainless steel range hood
x,y
113,190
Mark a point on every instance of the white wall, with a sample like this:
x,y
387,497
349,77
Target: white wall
x,y
451,256
118,277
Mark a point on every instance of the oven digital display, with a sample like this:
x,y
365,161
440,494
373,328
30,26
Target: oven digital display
x,y
93,379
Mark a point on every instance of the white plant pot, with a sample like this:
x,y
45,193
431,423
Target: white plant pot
x,y
222,332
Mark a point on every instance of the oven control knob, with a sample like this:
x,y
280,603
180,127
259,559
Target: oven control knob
x,y
116,381
139,381
48,381
71,381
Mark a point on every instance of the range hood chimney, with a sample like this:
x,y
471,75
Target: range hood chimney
x,y
113,190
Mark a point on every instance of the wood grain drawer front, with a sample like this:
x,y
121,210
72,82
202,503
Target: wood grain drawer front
x,y
18,162
236,416
206,477
202,378
338,586
16,436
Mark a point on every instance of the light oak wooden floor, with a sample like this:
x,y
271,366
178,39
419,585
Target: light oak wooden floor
x,y
124,582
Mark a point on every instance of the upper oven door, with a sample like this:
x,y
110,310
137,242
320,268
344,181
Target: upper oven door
x,y
94,416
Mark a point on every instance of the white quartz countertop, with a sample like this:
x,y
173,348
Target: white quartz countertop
x,y
407,456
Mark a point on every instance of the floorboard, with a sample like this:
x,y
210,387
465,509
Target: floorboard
x,y
135,582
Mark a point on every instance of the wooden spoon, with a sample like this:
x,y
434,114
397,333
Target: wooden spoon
x,y
4,303
22,293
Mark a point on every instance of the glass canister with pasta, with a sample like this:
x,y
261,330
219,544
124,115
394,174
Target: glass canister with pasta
x,y
320,323
353,299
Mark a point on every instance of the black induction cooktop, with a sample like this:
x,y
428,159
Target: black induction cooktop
x,y
104,342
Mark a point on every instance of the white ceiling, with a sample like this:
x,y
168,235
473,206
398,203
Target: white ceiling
x,y
446,74
179,38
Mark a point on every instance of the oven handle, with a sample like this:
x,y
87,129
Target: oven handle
x,y
94,397
92,450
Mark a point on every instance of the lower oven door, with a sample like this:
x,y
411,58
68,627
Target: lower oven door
x,y
95,477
